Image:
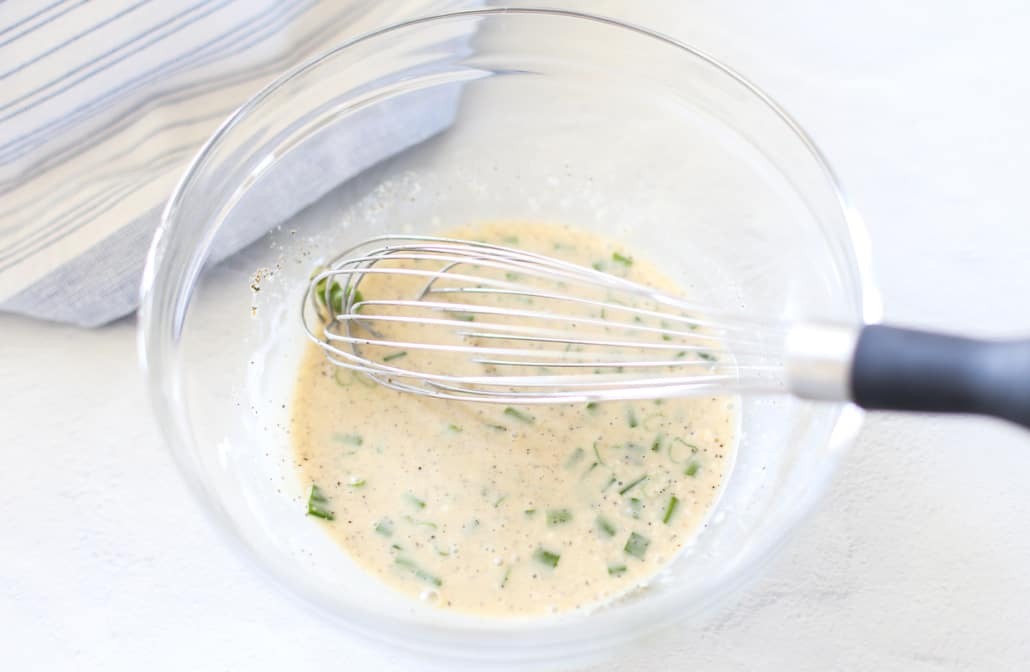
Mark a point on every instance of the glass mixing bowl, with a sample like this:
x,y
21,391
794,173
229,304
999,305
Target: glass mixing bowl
x,y
492,114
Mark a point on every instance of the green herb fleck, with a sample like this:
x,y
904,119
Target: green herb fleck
x,y
419,573
318,504
576,456
499,428
385,527
637,545
631,417
656,445
454,428
670,509
636,507
622,259
529,513
692,469
665,325
509,275
558,517
678,441
626,488
358,483
681,354
616,570
414,501
708,357
420,523
507,575
592,406
605,526
349,439
395,355
500,500
610,483
598,265
597,454
546,557
518,415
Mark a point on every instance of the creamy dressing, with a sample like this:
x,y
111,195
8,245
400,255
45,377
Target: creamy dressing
x,y
509,510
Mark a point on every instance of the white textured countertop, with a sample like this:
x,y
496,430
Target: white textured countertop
x,y
917,559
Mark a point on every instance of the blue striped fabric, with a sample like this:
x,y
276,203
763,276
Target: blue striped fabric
x,y
102,104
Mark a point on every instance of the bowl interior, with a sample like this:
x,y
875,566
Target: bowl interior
x,y
482,116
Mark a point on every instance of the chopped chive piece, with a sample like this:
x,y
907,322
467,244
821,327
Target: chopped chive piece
x,y
418,571
500,500
611,481
445,554
464,317
708,357
670,509
414,501
546,557
395,355
592,406
598,265
665,325
454,428
350,439
318,504
558,517
632,484
622,259
637,545
636,507
631,417
357,483
636,318
499,428
385,527
589,470
673,456
396,547
597,454
681,354
336,297
656,445
692,469
420,523
616,570
576,456
507,575
518,415
529,513
605,526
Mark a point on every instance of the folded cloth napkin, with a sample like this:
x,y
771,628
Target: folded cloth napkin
x,y
104,102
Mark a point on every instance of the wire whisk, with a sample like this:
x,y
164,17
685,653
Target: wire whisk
x,y
472,321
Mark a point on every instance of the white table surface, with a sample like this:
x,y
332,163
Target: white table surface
x,y
917,559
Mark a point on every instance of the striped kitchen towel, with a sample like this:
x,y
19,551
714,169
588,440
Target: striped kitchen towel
x,y
104,102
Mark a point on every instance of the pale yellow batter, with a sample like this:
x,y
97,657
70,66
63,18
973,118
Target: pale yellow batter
x,y
509,510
